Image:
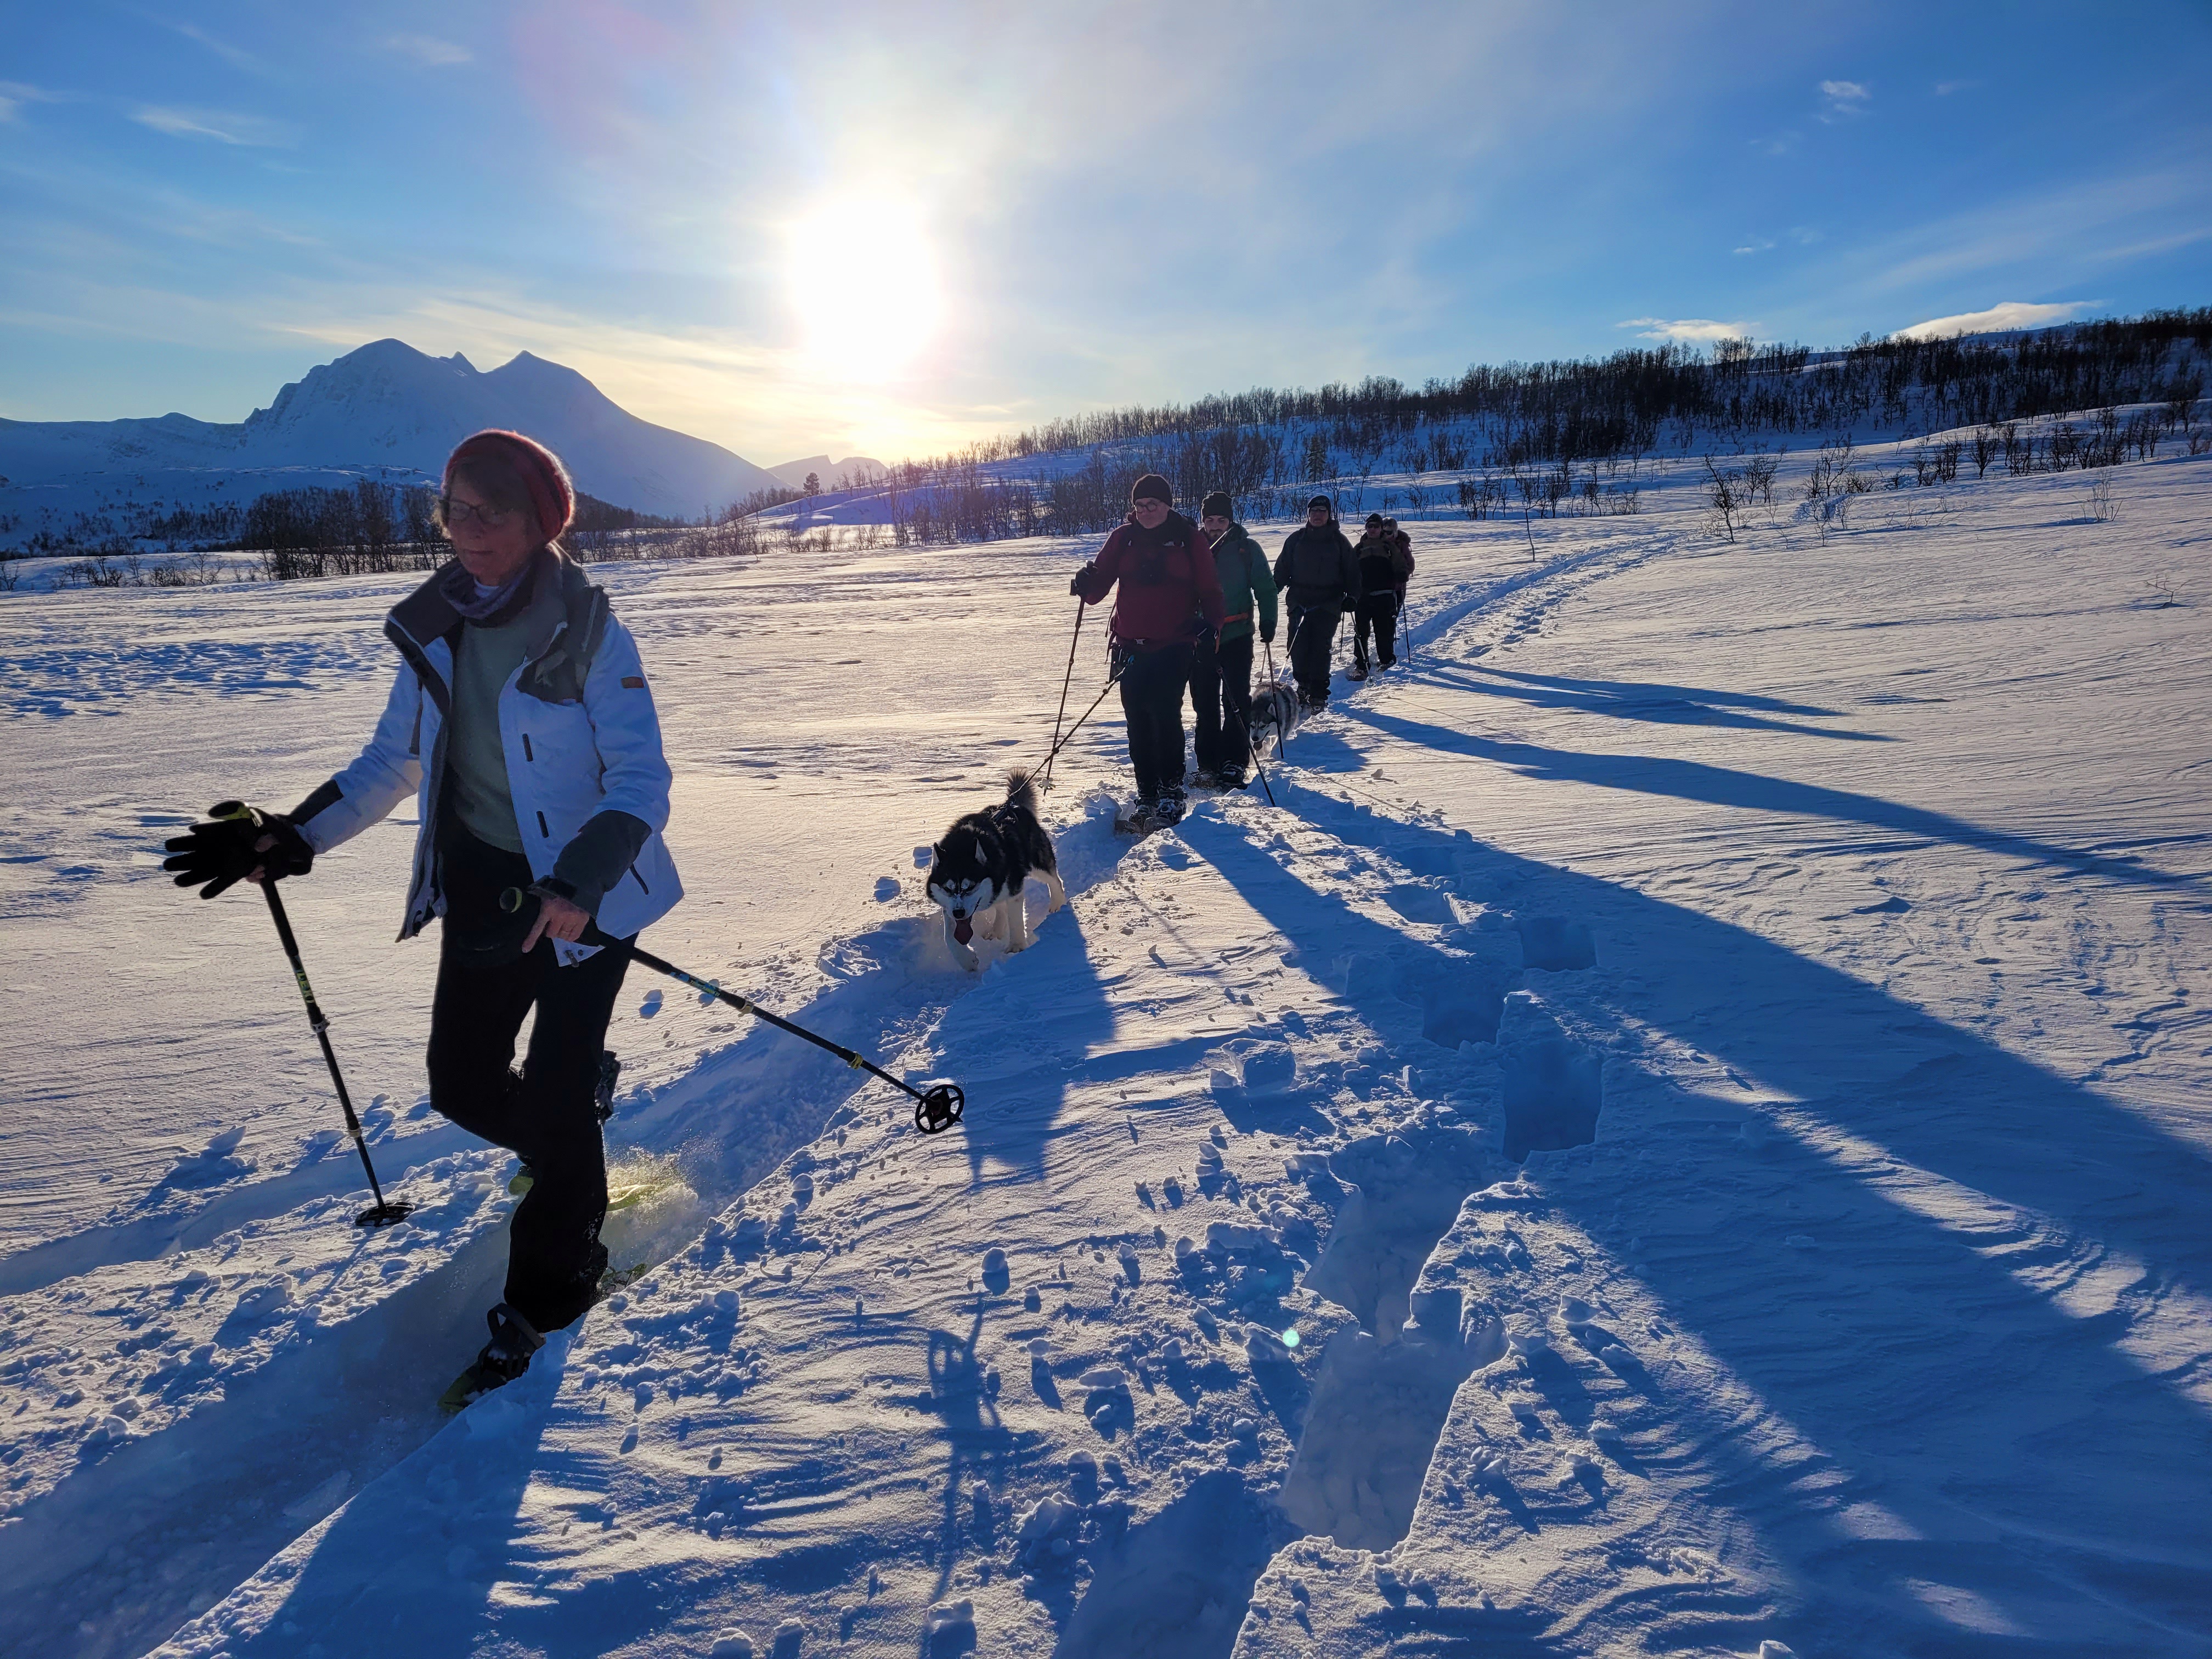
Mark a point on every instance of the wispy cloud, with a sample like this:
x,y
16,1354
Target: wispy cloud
x,y
224,127
13,94
1844,98
1945,89
2006,315
236,56
427,49
1700,331
1758,244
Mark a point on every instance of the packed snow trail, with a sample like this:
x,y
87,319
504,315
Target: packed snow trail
x,y
1835,969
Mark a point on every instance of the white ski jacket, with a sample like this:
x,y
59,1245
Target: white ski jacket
x,y
583,755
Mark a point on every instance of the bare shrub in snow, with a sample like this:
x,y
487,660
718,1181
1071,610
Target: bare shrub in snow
x,y
2102,507
1731,502
1758,470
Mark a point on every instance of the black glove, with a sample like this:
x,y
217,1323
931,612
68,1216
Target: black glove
x,y
226,850
1268,634
1075,582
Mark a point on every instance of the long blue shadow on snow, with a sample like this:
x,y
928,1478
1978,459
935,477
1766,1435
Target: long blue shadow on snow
x,y
1637,699
1925,1317
1721,786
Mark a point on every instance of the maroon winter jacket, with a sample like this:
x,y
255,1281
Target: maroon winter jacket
x,y
1168,581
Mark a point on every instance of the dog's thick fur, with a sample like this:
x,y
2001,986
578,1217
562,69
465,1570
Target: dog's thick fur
x,y
978,867
1276,708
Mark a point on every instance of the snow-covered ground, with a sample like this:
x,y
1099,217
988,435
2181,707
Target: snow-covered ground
x,y
1830,913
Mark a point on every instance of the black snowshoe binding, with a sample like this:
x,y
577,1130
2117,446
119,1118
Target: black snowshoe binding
x,y
506,1357
1170,811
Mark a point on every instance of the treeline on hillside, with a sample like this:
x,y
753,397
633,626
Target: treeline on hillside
x,y
379,527
1537,435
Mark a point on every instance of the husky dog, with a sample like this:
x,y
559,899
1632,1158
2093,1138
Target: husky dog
x,y
1276,708
977,869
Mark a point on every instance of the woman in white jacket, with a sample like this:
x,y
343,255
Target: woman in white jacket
x,y
521,721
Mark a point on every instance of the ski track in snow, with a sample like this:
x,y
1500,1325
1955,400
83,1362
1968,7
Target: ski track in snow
x,y
1683,1127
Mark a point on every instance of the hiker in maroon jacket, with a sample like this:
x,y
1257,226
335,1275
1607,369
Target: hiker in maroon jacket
x,y
1170,597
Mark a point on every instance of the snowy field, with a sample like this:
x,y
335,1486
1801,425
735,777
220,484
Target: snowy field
x,y
1829,912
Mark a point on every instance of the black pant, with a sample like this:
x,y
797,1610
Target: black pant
x,y
1379,611
550,1118
1221,691
1313,641
1152,697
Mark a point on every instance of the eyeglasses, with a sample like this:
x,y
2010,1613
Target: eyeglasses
x,y
458,513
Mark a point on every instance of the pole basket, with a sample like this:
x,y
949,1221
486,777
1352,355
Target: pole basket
x,y
938,1109
384,1214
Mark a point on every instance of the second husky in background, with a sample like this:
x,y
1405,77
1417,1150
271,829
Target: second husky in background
x,y
978,867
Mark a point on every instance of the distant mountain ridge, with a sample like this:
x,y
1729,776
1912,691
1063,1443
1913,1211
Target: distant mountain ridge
x,y
861,469
386,408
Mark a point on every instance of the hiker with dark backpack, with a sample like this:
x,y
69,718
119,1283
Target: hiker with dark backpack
x,y
1319,577
1170,603
521,722
1221,679
1385,562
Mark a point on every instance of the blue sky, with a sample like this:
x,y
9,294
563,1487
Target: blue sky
x,y
887,229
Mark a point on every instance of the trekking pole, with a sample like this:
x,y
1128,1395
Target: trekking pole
x,y
1066,680
1259,765
1112,679
384,1211
935,1109
1268,649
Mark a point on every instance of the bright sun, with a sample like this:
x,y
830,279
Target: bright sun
x,y
866,289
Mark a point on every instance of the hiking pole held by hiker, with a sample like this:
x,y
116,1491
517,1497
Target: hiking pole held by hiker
x,y
1066,680
935,1109
241,842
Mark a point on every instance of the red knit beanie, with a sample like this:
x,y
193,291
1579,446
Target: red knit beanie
x,y
552,497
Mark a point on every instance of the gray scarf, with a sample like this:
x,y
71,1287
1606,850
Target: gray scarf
x,y
477,601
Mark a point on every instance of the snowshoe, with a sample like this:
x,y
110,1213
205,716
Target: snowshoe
x,y
1136,820
1170,811
1358,672
1205,778
1232,777
506,1357
627,1195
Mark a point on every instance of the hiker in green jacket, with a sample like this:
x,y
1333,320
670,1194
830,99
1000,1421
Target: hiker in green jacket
x,y
1221,679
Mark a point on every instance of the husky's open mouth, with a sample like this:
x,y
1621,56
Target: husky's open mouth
x,y
962,929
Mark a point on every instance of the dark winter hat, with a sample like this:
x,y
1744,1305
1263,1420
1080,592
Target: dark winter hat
x,y
1153,485
1323,503
1374,521
1218,505
552,497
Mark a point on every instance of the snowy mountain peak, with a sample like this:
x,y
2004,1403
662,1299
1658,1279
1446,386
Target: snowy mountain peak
x,y
389,406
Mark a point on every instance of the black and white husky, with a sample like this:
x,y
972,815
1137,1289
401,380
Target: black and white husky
x,y
1275,708
977,869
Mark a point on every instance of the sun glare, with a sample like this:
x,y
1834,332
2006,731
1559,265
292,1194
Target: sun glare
x,y
864,285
